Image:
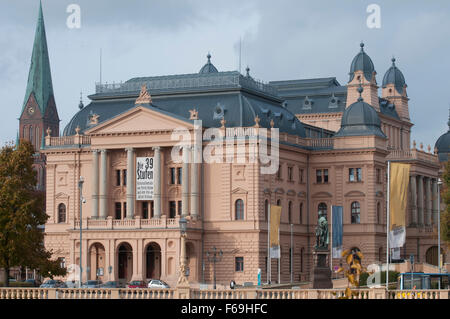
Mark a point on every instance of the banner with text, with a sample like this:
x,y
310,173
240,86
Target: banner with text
x,y
144,178
398,198
275,217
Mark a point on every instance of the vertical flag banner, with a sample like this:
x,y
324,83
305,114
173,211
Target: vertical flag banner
x,y
398,198
275,216
337,225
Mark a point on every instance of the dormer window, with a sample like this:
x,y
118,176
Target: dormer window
x,y
219,112
334,102
307,103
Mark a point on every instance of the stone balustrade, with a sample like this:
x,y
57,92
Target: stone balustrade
x,y
136,223
252,293
413,154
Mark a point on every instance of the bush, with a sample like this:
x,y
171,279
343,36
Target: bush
x,y
393,275
17,284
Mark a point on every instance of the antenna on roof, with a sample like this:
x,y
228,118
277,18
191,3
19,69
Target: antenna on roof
x,y
240,53
100,65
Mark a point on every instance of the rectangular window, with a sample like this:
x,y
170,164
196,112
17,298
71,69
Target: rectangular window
x,y
124,177
239,262
300,175
172,175
179,207
318,176
279,172
355,174
172,209
124,210
118,177
290,177
325,176
145,210
180,175
118,211
378,176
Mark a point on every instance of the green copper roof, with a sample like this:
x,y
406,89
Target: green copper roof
x,y
39,77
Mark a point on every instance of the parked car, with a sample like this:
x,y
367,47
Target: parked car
x,y
33,282
51,283
72,284
155,283
92,284
111,284
137,284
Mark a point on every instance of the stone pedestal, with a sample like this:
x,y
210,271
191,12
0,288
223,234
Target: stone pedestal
x,y
322,271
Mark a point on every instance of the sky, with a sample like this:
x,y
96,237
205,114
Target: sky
x,y
280,40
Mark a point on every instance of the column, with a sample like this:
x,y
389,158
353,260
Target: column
x,y
435,202
413,182
95,176
194,183
420,200
130,183
157,186
103,186
428,201
185,183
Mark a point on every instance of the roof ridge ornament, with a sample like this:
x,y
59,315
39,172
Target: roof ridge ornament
x,y
144,96
193,114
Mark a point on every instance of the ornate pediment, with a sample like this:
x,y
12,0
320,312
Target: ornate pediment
x,y
144,96
322,195
141,119
239,190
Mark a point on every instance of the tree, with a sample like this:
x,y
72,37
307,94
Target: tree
x,y
21,214
445,214
353,258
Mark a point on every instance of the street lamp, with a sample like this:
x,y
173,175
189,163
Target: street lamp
x,y
182,280
80,185
439,183
214,255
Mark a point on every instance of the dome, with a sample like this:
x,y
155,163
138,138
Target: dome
x,y
362,62
394,76
360,119
443,145
208,67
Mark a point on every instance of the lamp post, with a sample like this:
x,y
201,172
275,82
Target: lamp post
x,y
439,183
80,185
214,256
182,280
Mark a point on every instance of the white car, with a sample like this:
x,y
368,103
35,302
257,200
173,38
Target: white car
x,y
154,283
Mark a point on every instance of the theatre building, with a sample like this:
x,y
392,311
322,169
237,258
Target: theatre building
x,y
334,144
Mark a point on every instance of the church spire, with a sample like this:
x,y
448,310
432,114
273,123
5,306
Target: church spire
x,y
39,77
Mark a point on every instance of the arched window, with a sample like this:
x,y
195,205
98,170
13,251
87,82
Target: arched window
x,y
322,209
301,214
290,212
278,202
61,213
30,137
239,209
356,210
37,138
266,210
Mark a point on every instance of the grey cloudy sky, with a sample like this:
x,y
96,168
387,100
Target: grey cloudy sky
x,y
281,40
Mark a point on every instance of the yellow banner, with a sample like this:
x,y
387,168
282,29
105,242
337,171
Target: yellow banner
x,y
398,197
275,216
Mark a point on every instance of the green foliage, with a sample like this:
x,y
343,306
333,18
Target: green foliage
x,y
21,212
445,215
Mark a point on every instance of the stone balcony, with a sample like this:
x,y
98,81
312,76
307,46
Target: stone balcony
x,y
129,224
412,154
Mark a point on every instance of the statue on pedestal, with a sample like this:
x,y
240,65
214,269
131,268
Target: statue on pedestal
x,y
322,239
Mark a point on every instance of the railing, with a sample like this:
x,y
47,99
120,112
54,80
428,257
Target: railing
x,y
176,293
413,154
67,140
326,143
136,223
187,81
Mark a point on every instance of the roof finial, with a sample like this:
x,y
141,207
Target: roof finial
x,y
360,90
362,45
209,57
393,60
248,71
81,105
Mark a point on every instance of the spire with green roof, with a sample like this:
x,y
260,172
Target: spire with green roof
x,y
39,76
